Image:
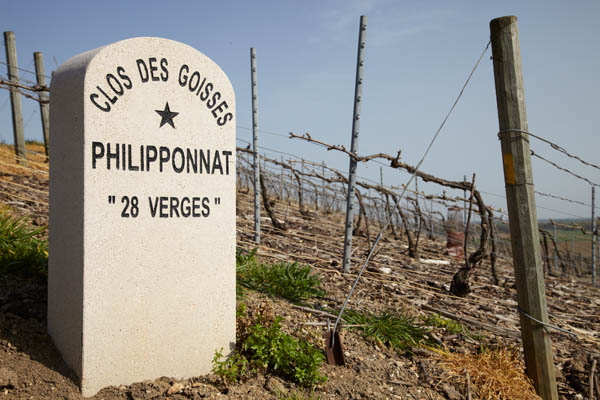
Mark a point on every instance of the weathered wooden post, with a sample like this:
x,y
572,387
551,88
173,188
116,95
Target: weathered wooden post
x,y
594,236
281,180
555,246
324,195
15,97
518,178
256,160
302,177
386,206
243,169
43,97
464,201
354,143
595,239
316,198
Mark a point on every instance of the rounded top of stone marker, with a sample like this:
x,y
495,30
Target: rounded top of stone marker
x,y
111,53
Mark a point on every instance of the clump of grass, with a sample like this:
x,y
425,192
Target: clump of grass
x,y
290,281
496,374
297,395
22,252
397,331
263,346
450,326
243,261
437,321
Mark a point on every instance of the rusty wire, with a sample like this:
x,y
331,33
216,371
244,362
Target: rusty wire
x,y
563,169
553,145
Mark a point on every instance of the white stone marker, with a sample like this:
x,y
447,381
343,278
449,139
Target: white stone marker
x,y
142,213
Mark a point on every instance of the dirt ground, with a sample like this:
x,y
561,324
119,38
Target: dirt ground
x,y
31,368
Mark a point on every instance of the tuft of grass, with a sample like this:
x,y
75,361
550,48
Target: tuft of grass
x,y
22,252
496,374
437,321
390,329
263,346
245,258
290,281
451,326
298,395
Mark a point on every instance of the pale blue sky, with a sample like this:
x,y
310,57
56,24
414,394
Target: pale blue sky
x,y
418,56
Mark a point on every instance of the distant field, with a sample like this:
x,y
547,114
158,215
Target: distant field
x,y
569,240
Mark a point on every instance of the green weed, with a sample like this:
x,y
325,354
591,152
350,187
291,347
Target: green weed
x,y
290,281
263,346
245,258
437,321
451,326
21,250
297,395
396,331
231,369
244,261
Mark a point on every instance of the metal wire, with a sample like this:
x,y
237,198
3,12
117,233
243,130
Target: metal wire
x,y
12,88
389,219
563,169
269,149
24,70
572,334
553,145
263,131
564,199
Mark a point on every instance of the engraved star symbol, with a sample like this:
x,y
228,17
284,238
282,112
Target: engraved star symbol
x,y
167,116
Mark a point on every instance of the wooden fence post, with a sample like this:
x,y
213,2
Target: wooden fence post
x,y
281,180
43,96
555,247
464,201
594,236
324,195
518,178
15,97
302,176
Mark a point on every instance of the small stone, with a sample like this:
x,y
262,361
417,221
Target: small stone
x,y
8,378
385,270
451,393
276,387
435,338
422,352
175,388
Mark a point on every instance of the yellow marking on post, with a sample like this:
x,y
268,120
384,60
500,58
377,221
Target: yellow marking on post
x,y
509,169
